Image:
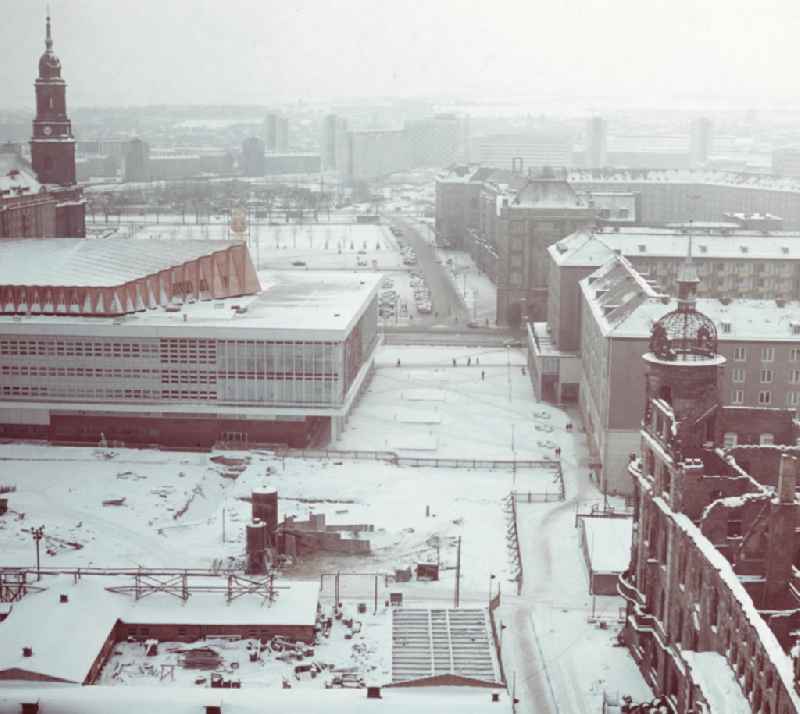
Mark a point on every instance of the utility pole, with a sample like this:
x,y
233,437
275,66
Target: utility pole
x,y
223,525
508,370
38,534
458,572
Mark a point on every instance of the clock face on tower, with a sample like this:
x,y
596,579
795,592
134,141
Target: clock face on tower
x,y
47,131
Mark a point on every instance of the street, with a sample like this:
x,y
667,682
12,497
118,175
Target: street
x,y
444,296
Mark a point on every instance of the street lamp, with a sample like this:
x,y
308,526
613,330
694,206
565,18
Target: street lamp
x,y
491,577
38,534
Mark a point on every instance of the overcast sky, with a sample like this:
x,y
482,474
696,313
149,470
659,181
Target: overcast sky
x,y
134,52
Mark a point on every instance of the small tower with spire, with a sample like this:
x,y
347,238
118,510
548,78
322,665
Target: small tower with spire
x,y
683,364
52,143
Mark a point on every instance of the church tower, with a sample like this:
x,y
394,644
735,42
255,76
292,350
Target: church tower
x,y
52,144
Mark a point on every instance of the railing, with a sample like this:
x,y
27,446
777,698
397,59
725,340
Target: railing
x,y
513,538
434,461
629,591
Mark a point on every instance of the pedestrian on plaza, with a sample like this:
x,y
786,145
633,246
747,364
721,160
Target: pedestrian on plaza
x,y
483,375
558,452
469,361
398,361
477,360
454,361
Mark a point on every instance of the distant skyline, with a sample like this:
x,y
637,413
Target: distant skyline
x,y
246,52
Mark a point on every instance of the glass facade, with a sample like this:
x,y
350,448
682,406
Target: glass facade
x,y
249,371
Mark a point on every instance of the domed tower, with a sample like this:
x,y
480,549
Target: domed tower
x,y
52,144
683,366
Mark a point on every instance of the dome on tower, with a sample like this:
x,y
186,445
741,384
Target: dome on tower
x,y
684,335
49,64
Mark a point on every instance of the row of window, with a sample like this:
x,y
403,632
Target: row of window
x,y
165,376
764,397
767,354
62,348
7,390
765,376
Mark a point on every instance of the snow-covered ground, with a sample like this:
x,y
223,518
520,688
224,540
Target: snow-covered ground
x,y
364,651
176,506
564,642
483,407
475,287
176,503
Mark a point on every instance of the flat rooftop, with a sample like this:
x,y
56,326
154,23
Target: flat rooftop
x,y
107,700
67,637
589,248
608,543
293,304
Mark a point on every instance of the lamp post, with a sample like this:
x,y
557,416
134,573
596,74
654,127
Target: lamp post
x,y
38,534
491,578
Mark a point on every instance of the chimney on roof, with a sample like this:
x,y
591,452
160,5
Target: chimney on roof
x,y
63,598
495,697
787,478
213,709
27,651
374,693
30,707
780,531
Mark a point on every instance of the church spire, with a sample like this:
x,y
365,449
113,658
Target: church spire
x,y
48,40
688,281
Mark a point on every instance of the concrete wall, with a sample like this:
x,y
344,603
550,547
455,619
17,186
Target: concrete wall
x,y
191,632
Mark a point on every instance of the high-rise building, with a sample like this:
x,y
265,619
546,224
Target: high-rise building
x,y
333,141
596,143
252,157
700,141
276,134
136,162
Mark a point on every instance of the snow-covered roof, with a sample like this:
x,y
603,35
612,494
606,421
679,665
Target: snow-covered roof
x,y
432,643
94,263
67,637
711,672
589,248
293,304
16,177
627,307
295,604
109,700
685,176
548,193
608,543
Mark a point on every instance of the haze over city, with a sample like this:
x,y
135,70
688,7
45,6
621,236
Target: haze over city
x,y
204,52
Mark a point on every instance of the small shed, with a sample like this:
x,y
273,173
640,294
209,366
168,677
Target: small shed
x,y
606,545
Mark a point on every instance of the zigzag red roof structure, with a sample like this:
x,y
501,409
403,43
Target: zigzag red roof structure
x,y
104,278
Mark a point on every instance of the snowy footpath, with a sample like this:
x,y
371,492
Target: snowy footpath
x,y
561,644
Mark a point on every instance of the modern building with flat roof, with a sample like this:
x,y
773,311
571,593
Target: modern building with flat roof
x,y
178,344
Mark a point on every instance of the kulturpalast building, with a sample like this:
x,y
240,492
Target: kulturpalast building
x,y
175,343
42,199
712,588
